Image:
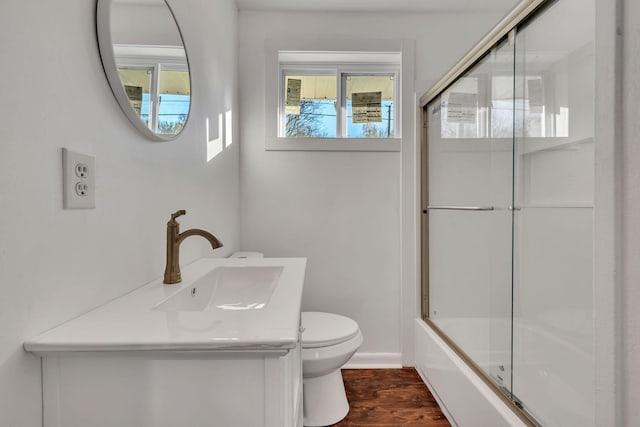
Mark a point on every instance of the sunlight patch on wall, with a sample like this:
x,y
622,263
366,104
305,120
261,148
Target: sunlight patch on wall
x,y
223,135
214,146
228,129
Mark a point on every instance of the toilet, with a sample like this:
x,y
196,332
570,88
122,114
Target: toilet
x,y
328,342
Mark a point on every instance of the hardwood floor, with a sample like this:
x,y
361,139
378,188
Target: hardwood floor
x,y
389,398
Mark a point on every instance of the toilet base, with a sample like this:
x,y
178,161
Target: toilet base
x,y
324,400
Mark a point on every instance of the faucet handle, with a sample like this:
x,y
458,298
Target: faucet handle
x,y
177,214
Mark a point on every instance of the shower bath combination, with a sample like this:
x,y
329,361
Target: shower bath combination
x,y
508,192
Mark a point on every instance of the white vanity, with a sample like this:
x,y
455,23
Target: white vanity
x,y
220,349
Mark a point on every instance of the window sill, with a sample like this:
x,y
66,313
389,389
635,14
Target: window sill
x,y
333,144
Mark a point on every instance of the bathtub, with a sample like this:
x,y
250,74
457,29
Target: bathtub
x,y
552,377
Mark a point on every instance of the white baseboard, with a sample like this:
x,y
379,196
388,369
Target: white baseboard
x,y
374,361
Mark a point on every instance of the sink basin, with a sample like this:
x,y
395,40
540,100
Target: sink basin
x,y
226,288
222,304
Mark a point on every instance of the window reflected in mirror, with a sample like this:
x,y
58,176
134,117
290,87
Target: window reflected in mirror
x,y
174,98
146,64
157,84
137,84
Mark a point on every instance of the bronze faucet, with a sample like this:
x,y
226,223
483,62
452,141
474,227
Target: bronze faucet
x,y
174,238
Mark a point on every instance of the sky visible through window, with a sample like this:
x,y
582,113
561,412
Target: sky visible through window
x,y
173,110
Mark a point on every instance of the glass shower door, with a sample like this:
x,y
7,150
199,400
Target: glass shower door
x,y
470,181
553,246
509,225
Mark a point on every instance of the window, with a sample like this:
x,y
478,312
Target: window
x,y
157,84
310,104
310,83
338,95
370,100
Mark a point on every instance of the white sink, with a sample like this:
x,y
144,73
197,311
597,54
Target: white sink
x,y
225,339
221,304
226,288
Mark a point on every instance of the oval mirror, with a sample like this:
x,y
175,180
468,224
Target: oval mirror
x,y
145,61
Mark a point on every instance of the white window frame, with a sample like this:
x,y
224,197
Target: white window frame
x,y
341,72
274,82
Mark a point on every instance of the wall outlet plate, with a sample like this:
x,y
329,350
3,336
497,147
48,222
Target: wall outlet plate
x,y
79,180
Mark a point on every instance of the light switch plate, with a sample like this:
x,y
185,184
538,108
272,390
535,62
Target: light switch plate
x,y
79,180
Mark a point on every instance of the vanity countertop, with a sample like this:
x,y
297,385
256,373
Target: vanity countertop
x,y
146,319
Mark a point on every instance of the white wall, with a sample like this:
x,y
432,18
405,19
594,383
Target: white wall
x,y
630,295
55,263
342,210
143,24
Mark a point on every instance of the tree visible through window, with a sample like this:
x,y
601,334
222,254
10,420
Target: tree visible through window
x,y
172,93
308,122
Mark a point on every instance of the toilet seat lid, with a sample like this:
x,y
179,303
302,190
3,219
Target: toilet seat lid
x,y
325,329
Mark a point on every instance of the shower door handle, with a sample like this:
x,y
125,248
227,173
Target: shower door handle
x,y
458,208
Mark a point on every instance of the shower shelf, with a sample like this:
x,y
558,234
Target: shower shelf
x,y
535,145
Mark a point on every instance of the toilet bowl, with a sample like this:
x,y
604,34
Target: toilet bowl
x,y
328,342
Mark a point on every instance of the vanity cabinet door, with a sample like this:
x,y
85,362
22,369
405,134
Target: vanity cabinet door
x,y
283,401
297,384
